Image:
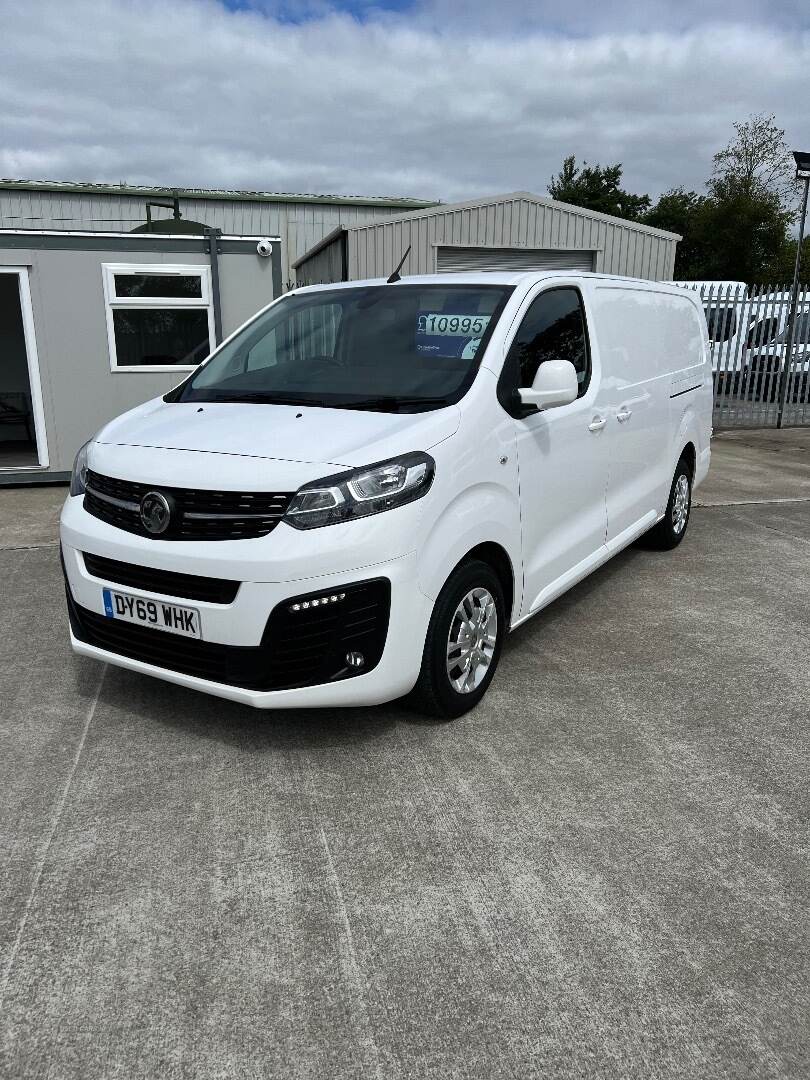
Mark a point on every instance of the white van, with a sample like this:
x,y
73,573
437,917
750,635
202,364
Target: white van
x,y
766,353
728,317
367,485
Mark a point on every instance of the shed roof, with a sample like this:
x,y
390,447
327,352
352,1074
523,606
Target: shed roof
x,y
144,190
515,196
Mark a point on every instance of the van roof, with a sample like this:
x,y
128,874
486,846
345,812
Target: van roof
x,y
498,277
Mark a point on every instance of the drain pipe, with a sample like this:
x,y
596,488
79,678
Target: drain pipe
x,y
212,237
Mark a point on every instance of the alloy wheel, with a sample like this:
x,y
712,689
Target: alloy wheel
x,y
680,504
471,641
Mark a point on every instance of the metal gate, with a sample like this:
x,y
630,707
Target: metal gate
x,y
756,384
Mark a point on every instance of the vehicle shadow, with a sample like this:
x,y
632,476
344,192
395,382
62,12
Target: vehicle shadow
x,y
205,717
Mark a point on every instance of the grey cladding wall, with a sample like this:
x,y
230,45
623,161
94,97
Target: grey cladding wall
x,y
325,264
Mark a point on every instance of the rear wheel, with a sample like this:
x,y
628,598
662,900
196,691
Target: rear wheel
x,y
463,643
671,529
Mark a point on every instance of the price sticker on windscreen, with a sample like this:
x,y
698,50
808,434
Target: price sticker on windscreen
x,y
450,334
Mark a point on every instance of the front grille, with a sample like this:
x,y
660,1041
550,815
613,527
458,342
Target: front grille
x,y
165,582
298,648
199,514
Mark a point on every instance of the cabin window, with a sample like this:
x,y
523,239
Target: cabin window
x,y
158,317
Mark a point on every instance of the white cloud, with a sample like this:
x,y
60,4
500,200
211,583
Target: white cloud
x,y
186,92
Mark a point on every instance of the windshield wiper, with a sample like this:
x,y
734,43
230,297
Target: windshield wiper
x,y
258,398
390,403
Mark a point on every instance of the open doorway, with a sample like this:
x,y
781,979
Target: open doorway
x,y
20,403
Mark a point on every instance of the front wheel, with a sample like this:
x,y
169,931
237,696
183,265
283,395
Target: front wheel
x,y
463,643
671,529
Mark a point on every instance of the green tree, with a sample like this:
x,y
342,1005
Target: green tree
x,y
596,188
780,270
758,159
681,211
740,230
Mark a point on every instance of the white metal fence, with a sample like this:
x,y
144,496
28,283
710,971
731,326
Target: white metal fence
x,y
754,378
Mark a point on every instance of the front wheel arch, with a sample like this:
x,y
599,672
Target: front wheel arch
x,y
689,454
434,693
496,557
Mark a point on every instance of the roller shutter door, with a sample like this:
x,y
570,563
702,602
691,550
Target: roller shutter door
x,y
452,259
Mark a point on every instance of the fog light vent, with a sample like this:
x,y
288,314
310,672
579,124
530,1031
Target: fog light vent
x,y
355,659
318,601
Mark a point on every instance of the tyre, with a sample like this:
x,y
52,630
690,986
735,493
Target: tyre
x,y
671,529
463,643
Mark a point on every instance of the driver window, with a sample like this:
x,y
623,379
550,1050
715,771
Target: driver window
x,y
552,329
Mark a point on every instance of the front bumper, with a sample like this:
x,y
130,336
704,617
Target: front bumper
x,y
236,633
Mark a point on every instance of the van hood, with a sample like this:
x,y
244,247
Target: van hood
x,y
296,433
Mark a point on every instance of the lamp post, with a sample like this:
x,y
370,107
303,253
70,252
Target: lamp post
x,y
802,173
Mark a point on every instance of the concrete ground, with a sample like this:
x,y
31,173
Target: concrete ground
x,y
758,466
601,872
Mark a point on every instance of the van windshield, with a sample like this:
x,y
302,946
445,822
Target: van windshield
x,y
387,347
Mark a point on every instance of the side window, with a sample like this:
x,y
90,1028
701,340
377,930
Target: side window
x,y
309,334
762,332
263,354
722,323
552,329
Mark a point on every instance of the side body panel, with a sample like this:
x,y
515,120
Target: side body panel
x,y
691,397
651,344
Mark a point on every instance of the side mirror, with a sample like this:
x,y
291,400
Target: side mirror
x,y
554,384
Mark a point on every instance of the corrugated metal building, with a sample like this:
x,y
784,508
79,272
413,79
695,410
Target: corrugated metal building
x,y
519,231
299,220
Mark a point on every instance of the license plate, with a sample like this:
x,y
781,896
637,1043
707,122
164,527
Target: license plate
x,y
158,614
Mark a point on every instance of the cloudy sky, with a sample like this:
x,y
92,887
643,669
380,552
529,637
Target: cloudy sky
x,y
433,98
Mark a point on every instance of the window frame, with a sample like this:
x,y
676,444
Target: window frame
x,y
113,303
507,394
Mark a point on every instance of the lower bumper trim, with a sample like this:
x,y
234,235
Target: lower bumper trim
x,y
299,648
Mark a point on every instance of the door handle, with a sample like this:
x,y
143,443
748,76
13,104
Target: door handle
x,y
597,423
625,414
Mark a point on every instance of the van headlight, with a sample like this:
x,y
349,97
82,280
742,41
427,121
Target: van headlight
x,y
361,492
78,478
